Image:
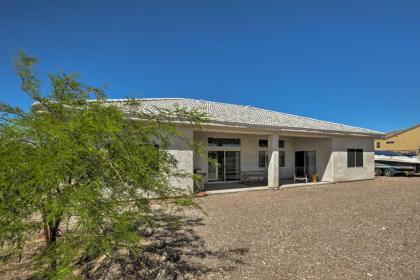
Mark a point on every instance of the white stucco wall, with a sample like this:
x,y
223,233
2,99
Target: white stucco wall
x,y
339,159
183,152
322,147
331,157
288,170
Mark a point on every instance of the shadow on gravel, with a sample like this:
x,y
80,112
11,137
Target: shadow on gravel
x,y
171,247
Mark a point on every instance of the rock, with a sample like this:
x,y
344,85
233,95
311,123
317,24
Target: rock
x,y
148,232
161,244
166,274
170,256
123,252
175,257
165,256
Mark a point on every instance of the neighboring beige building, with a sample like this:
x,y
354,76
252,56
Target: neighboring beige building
x,y
407,140
246,141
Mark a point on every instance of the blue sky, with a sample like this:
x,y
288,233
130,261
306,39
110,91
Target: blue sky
x,y
353,62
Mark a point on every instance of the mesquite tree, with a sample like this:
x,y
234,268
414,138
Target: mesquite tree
x,y
81,171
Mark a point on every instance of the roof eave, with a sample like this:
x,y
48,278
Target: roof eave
x,y
297,129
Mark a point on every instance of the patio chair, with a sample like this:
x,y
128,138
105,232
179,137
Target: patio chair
x,y
300,174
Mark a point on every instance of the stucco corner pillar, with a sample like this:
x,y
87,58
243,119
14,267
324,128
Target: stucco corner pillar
x,y
273,162
183,153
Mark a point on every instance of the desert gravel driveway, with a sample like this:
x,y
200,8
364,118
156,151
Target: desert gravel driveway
x,y
357,230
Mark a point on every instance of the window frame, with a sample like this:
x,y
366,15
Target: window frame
x,y
355,158
263,143
282,144
262,153
223,142
282,155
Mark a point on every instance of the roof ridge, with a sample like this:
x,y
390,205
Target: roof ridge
x,y
184,98
146,99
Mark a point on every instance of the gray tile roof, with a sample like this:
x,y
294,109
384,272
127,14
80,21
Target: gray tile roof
x,y
247,116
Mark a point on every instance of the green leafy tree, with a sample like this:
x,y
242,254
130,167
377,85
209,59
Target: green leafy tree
x,y
81,171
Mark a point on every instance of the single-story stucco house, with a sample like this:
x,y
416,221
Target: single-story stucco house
x,y
249,141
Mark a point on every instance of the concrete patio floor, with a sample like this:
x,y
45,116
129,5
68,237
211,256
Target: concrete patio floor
x,y
230,187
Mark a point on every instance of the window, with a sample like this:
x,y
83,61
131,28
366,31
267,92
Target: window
x,y
359,157
263,143
354,157
281,143
378,145
390,142
224,142
263,154
282,159
262,159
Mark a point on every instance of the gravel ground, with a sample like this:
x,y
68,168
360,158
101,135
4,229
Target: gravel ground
x,y
357,230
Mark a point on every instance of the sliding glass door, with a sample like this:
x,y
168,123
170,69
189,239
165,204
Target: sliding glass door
x,y
224,165
216,166
232,165
305,163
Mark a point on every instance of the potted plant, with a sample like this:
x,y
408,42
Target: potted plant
x,y
315,178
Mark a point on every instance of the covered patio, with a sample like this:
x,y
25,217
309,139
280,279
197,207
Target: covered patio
x,y
253,161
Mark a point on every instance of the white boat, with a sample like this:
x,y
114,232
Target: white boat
x,y
392,165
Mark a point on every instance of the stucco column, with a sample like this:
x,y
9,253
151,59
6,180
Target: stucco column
x,y
273,161
183,153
